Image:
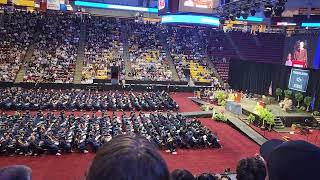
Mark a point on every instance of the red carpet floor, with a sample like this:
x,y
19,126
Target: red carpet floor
x,y
313,137
72,166
186,104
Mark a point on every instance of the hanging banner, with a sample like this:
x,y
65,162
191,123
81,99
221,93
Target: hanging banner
x,y
3,1
53,4
27,3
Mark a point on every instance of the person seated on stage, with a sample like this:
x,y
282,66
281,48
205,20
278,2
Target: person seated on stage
x,y
181,174
294,160
128,157
251,169
286,104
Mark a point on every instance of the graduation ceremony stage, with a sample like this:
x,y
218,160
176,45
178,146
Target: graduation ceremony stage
x,y
235,121
288,118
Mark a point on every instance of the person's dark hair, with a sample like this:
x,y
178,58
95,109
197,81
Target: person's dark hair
x,y
207,176
16,172
181,174
128,157
251,169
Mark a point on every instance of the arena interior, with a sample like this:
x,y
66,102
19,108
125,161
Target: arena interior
x,y
159,89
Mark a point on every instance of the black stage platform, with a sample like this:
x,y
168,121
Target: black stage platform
x,y
288,118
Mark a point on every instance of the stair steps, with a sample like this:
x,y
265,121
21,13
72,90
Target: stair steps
x,y
80,52
27,58
317,118
169,57
124,36
278,124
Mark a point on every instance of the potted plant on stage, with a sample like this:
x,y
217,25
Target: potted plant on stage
x,y
221,97
287,93
307,101
261,112
220,117
316,113
269,120
251,119
299,97
278,93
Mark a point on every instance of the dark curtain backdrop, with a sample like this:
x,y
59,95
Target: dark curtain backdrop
x,y
256,78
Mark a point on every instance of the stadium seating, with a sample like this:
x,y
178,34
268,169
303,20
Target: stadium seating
x,y
193,49
263,47
103,48
188,48
15,37
55,54
147,56
222,66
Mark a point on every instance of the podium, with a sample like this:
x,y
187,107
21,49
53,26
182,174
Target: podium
x,y
299,64
233,107
237,97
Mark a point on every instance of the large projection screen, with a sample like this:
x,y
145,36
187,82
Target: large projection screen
x,y
302,51
198,6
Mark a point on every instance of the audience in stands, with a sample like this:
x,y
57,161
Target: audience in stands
x,y
22,99
188,48
128,157
54,57
34,135
147,55
103,49
16,33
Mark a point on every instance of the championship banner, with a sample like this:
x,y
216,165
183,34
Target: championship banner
x,y
3,1
53,4
27,3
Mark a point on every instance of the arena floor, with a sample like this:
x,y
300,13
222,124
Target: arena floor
x,y
73,166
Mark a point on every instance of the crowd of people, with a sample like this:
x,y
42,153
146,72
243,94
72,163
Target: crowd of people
x,y
147,55
188,49
132,156
57,36
103,48
46,133
16,33
31,99
55,53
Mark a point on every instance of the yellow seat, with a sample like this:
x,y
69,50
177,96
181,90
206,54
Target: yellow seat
x,y
101,77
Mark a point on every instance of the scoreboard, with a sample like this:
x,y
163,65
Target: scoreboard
x,y
187,6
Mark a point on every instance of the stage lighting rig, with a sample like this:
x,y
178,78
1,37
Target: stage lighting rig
x,y
245,14
268,9
279,7
244,8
